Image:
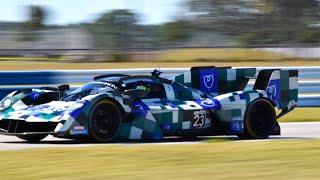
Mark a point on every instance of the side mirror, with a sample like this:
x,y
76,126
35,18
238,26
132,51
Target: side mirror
x,y
64,87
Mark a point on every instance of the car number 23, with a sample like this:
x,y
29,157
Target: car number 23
x,y
199,119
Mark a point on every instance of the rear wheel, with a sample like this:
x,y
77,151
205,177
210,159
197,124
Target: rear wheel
x,y
33,137
259,119
104,122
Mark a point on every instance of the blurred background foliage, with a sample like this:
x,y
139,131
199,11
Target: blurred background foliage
x,y
203,23
255,22
243,22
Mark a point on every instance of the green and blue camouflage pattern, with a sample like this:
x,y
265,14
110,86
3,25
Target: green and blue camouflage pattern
x,y
192,102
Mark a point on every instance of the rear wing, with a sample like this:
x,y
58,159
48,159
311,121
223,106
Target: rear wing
x,y
280,85
216,80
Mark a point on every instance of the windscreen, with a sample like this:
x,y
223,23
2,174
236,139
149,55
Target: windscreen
x,y
91,88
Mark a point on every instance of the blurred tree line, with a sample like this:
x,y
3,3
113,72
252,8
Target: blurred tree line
x,y
241,22
245,22
120,29
255,22
35,22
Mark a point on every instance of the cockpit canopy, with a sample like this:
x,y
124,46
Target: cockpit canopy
x,y
151,86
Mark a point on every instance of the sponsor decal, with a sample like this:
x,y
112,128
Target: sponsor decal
x,y
139,108
78,128
236,126
35,96
273,91
38,107
38,90
55,107
83,131
108,84
209,103
208,81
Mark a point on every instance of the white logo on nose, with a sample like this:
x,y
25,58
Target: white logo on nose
x,y
208,81
208,102
138,106
36,96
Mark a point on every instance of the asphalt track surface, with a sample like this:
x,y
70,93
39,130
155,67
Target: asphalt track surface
x,y
290,131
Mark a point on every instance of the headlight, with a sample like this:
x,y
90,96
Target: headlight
x,y
5,103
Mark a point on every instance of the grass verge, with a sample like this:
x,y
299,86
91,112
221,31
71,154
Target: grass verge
x,y
302,115
221,54
221,160
33,65
164,59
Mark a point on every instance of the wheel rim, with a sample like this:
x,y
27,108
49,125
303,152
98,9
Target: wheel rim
x,y
105,121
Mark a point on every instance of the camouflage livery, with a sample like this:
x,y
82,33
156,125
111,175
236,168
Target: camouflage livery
x,y
202,101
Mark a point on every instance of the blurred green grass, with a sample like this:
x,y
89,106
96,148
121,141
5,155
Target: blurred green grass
x,y
63,65
302,115
221,55
174,55
160,59
294,159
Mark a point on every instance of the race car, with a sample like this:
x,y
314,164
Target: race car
x,y
203,101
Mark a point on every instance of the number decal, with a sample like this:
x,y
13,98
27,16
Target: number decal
x,y
199,120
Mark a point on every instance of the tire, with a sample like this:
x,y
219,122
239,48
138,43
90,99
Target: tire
x,y
33,137
104,121
259,119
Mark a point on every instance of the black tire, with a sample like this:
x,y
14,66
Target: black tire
x,y
33,137
259,119
104,121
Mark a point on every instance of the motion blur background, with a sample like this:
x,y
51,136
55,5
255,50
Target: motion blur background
x,y
166,30
99,34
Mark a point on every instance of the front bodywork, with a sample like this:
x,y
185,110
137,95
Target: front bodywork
x,y
65,118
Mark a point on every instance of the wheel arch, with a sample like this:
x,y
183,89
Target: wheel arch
x,y
95,99
116,102
267,99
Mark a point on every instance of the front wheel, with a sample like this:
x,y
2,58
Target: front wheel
x,y
104,121
259,119
33,137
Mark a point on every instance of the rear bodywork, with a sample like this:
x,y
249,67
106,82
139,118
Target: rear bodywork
x,y
202,101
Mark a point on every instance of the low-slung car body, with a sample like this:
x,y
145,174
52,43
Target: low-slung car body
x,y
203,101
